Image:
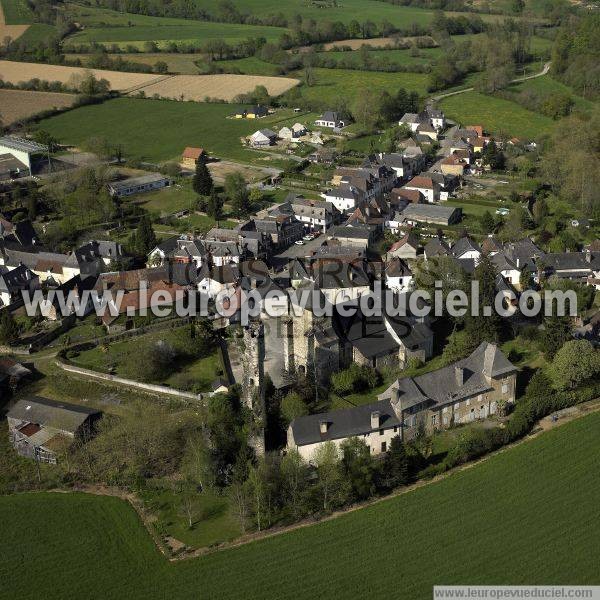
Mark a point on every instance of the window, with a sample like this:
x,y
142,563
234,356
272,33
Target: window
x,y
434,419
395,429
381,432
445,409
505,388
445,420
383,447
457,406
468,402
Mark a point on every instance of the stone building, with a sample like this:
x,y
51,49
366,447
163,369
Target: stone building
x,y
470,389
253,383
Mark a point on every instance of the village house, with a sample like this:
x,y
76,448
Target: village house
x,y
398,275
344,197
466,248
263,137
406,247
331,119
426,186
191,156
358,236
313,214
42,429
16,281
471,389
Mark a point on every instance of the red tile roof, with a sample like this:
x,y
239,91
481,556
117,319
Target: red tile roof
x,y
194,153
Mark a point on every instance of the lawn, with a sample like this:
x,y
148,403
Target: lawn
x,y
16,12
159,130
496,115
524,516
119,358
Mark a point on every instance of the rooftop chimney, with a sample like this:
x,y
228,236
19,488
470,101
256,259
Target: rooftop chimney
x,y
375,419
323,427
459,372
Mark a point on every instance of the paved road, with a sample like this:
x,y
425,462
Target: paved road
x,y
544,71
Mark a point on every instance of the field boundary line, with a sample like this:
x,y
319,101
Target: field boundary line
x,y
141,86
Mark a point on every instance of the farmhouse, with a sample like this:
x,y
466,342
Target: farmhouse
x,y
470,389
138,185
191,156
41,429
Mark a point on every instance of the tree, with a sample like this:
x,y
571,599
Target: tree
x,y
294,474
487,222
575,363
9,330
481,327
236,191
358,467
331,485
493,156
293,406
143,239
214,206
540,211
161,66
366,109
395,465
202,182
557,330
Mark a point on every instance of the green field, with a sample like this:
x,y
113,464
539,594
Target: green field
x,y
248,66
398,56
107,27
525,516
333,84
16,12
159,130
546,85
38,32
496,115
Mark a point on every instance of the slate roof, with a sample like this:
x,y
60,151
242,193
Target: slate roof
x,y
572,261
397,268
49,413
342,423
436,247
442,386
463,245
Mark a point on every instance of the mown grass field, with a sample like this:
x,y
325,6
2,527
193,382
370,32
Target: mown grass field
x,y
496,115
524,516
159,130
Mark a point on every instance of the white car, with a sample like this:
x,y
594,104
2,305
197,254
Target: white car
x,y
299,243
307,238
